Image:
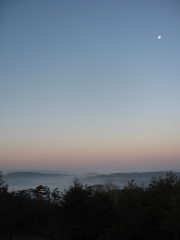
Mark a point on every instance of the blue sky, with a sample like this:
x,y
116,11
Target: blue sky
x,y
87,84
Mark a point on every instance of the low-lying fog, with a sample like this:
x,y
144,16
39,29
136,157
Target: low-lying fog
x,y
26,180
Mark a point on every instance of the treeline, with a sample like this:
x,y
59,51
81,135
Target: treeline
x,y
100,212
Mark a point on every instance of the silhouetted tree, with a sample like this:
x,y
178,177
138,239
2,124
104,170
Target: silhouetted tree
x,y
3,187
85,213
164,206
131,212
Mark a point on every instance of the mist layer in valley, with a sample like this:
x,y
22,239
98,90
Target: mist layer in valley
x,y
25,180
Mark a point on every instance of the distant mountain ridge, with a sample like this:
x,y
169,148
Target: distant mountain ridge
x,y
140,174
34,174
27,179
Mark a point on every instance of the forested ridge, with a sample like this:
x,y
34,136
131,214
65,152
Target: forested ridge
x,y
98,212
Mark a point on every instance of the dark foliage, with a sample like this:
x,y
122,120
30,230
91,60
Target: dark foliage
x,y
97,212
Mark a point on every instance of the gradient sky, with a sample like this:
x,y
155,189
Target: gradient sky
x,y
87,85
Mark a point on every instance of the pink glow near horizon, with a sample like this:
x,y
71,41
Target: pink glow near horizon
x,y
100,156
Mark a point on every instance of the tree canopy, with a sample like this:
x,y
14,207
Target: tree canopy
x,y
97,212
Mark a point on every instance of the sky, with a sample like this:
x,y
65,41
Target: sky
x,y
88,86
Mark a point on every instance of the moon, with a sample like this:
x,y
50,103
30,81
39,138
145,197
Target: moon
x,y
159,37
